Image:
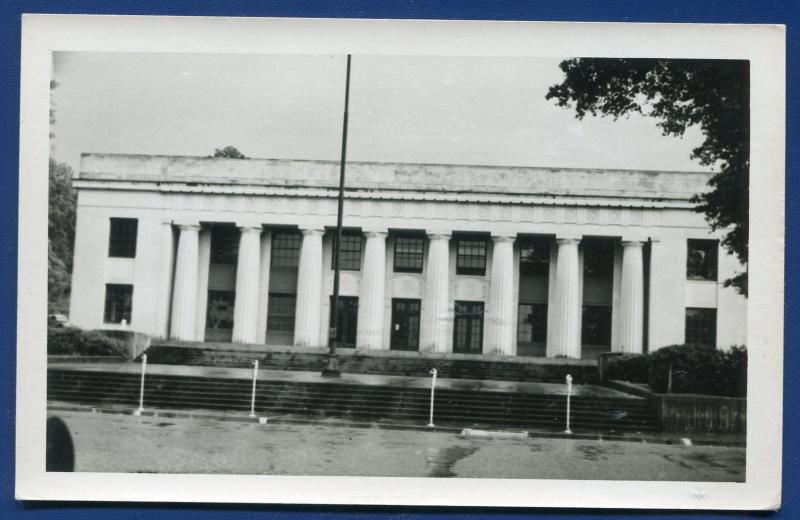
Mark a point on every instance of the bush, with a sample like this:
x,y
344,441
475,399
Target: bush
x,y
697,369
633,368
72,341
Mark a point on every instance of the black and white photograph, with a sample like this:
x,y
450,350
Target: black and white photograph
x,y
428,266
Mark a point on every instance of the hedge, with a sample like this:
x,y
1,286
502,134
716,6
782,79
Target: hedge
x,y
694,369
73,341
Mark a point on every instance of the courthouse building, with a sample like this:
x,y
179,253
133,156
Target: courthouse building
x,y
435,258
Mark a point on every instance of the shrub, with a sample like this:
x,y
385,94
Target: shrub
x,y
697,369
72,341
628,367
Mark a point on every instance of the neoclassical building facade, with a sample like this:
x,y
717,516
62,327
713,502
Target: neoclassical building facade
x,y
435,258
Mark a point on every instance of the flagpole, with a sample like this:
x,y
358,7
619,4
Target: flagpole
x,y
332,369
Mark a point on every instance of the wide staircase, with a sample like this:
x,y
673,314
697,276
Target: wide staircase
x,y
416,364
367,403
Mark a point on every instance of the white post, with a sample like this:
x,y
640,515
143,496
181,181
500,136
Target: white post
x,y
569,394
141,387
253,393
433,387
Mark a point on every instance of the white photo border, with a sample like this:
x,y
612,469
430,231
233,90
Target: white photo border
x,y
763,45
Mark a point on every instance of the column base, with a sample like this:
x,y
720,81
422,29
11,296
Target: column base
x,y
332,369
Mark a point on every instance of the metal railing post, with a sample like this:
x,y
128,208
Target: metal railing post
x,y
569,394
141,387
253,393
433,388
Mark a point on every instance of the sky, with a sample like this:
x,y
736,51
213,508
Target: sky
x,y
452,110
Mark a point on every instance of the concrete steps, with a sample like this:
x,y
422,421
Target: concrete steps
x,y
359,402
382,362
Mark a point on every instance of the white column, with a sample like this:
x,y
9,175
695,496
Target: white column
x,y
500,332
564,340
165,280
248,265
371,298
203,267
184,292
631,298
309,282
434,335
263,290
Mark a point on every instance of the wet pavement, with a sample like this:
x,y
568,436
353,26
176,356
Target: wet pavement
x,y
125,443
297,376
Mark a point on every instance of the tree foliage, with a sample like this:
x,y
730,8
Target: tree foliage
x,y
713,94
60,236
231,152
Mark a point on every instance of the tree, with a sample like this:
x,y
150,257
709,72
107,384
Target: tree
x,y
60,236
231,152
713,94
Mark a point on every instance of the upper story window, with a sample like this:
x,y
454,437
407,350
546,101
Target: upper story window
x,y
224,244
471,257
701,260
534,259
408,254
122,237
350,252
598,259
285,249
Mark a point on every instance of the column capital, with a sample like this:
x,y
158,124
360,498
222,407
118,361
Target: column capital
x,y
632,243
312,231
189,227
504,238
375,233
568,240
438,235
250,228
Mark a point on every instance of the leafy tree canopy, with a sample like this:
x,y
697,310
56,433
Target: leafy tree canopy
x,y
231,152
713,94
60,235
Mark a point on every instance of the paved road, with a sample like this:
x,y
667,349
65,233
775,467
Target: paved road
x,y
124,443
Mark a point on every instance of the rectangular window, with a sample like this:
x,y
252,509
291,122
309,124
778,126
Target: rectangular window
x,y
408,254
534,259
285,249
280,312
596,326
532,323
701,327
122,237
119,303
219,313
468,328
471,257
701,260
224,244
598,259
350,259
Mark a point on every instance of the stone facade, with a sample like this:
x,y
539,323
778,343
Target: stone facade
x,y
182,284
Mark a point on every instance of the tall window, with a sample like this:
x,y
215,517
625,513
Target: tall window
x,y
280,312
598,259
701,260
122,237
532,323
350,254
468,328
224,244
596,325
701,327
534,258
408,254
285,249
471,257
119,303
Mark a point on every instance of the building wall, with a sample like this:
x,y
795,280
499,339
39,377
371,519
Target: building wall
x,y
667,224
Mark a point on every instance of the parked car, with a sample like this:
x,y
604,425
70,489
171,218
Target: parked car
x,y
58,320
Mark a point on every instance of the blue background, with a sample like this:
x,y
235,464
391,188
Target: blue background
x,y
709,11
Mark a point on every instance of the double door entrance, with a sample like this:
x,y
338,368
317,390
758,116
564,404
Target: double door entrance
x,y
405,324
